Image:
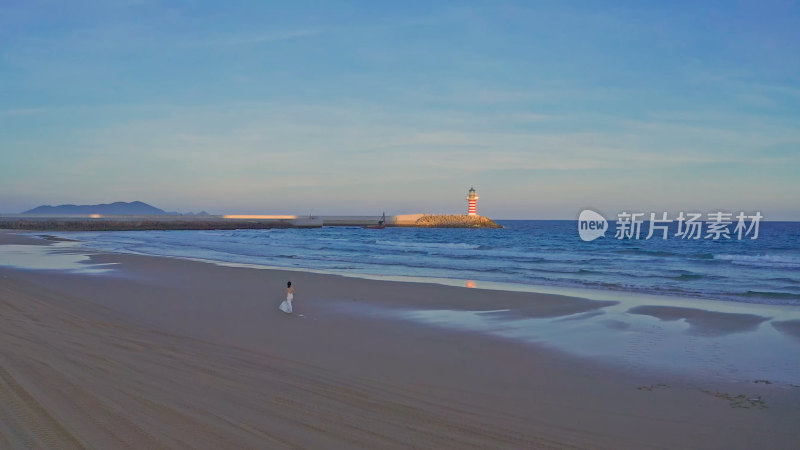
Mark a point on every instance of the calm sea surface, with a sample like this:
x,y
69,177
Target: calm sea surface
x,y
765,270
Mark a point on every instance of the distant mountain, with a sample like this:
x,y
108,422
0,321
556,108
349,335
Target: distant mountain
x,y
109,209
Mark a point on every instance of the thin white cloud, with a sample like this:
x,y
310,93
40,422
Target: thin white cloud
x,y
233,40
28,111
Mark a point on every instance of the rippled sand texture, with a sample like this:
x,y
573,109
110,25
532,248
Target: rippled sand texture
x,y
164,353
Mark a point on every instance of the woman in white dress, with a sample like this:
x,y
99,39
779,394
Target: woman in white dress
x,y
286,305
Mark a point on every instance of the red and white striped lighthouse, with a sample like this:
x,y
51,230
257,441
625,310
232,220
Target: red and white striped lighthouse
x,y
472,202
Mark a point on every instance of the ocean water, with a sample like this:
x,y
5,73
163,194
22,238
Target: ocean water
x,y
544,253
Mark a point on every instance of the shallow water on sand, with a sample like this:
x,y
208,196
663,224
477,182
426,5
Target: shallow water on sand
x,y
61,256
744,346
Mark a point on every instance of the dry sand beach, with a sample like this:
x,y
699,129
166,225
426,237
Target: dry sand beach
x,y
168,353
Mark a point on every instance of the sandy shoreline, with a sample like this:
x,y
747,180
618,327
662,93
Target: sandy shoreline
x,y
171,353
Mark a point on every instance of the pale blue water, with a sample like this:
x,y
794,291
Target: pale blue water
x,y
765,270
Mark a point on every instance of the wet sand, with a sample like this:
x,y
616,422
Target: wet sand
x,y
790,327
703,322
165,353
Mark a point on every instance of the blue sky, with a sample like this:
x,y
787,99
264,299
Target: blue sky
x,y
360,107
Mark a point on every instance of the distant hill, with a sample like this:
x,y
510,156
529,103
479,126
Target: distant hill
x,y
108,209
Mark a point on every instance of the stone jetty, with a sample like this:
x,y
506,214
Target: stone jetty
x,y
455,221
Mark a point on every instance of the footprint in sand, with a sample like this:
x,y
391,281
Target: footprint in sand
x,y
652,387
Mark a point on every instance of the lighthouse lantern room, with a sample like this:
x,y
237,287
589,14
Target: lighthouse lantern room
x,y
472,202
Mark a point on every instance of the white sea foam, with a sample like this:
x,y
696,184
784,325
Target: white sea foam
x,y
431,245
761,260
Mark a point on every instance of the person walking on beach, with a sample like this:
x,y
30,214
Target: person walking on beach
x,y
286,305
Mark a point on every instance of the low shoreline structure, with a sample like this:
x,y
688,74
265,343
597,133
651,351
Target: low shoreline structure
x,y
96,222
144,225
456,221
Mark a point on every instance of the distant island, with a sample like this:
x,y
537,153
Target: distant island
x,y
108,209
116,209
